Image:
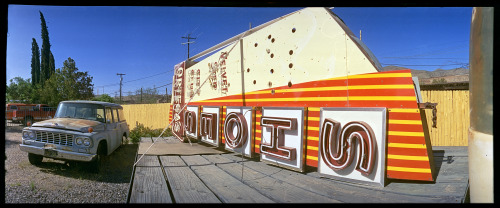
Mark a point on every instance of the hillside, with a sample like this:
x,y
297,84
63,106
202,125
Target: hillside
x,y
426,77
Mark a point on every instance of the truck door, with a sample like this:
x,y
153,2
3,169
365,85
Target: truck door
x,y
112,130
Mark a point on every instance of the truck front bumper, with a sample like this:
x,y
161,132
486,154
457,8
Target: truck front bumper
x,y
57,153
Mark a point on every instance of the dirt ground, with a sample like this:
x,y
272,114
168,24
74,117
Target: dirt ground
x,y
55,181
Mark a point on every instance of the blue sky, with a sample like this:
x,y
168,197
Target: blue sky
x,y
144,42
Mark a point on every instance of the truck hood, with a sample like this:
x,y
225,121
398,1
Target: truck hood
x,y
68,123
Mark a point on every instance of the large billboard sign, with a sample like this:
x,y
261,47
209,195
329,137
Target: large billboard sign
x,y
297,94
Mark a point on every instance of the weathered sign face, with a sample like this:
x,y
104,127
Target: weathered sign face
x,y
304,91
352,143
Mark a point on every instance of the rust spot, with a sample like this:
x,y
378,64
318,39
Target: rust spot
x,y
256,44
272,55
272,40
290,65
254,81
272,71
290,52
293,30
290,84
269,37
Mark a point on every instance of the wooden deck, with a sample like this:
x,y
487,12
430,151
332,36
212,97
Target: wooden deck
x,y
229,178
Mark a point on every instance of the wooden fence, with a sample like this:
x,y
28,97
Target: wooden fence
x,y
452,116
154,116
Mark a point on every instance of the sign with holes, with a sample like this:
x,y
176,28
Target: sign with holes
x,y
352,144
238,130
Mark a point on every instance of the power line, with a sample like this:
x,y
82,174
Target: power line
x,y
109,85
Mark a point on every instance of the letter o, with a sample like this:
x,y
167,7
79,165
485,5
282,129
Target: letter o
x,y
238,120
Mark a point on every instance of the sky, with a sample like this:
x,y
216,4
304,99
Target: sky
x,y
144,42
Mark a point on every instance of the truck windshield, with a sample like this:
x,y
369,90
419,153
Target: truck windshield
x,y
81,111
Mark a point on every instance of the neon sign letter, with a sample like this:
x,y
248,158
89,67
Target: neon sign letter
x,y
338,152
276,148
190,122
207,127
237,120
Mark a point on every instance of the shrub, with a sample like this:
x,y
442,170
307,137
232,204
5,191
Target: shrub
x,y
141,131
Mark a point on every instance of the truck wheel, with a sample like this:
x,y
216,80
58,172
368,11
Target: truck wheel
x,y
124,140
35,159
95,165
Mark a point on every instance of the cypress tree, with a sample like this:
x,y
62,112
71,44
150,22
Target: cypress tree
x,y
45,52
35,63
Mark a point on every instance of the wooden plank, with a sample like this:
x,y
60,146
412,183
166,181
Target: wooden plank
x,y
342,191
187,187
455,172
171,161
216,159
275,189
235,157
149,186
227,188
148,160
195,160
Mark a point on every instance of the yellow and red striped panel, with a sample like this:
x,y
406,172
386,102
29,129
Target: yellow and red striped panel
x,y
222,113
407,156
312,139
170,114
257,130
407,152
384,89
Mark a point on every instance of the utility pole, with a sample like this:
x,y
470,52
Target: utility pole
x,y
188,38
121,79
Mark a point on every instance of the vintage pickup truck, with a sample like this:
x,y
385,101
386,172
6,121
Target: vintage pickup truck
x,y
81,131
28,113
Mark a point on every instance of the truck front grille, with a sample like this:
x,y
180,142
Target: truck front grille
x,y
54,138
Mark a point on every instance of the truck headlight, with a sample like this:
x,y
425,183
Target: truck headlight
x,y
79,140
83,141
28,135
87,142
31,135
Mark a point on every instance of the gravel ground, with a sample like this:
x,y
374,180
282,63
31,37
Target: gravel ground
x,y
57,182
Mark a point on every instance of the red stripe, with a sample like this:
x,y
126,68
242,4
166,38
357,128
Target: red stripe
x,y
312,163
406,151
382,103
408,163
406,140
404,116
405,127
382,92
409,175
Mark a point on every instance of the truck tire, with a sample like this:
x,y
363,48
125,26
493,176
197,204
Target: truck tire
x,y
124,139
35,159
96,164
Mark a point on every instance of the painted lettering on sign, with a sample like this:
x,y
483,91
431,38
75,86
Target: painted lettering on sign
x,y
276,146
178,101
338,145
208,126
235,121
219,67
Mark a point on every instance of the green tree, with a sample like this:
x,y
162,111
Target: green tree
x,y
35,63
67,83
45,52
104,98
19,90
